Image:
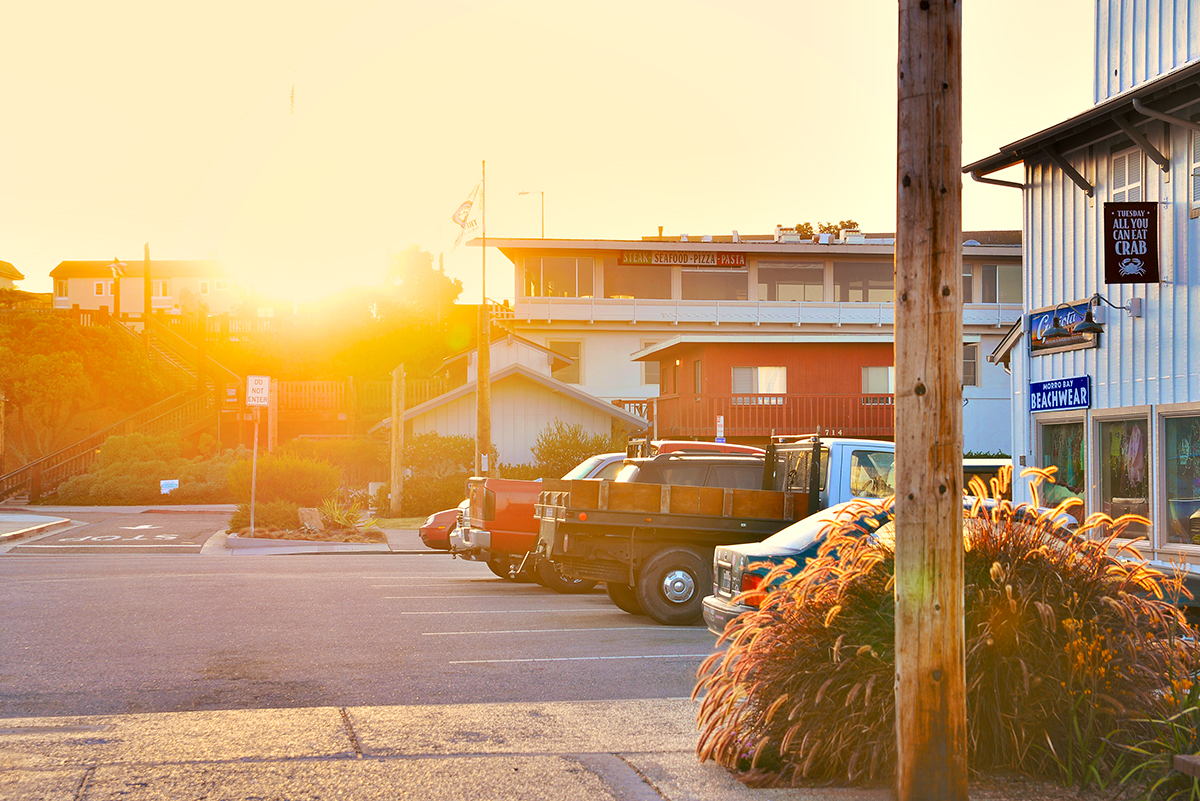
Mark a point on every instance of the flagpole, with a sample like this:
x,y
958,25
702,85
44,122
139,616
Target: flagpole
x,y
483,379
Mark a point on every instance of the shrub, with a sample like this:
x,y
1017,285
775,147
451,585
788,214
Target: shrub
x,y
525,472
284,478
1063,643
360,459
561,447
129,468
273,515
436,471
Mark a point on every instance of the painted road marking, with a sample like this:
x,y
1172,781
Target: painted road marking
x,y
663,629
496,611
111,545
580,658
135,528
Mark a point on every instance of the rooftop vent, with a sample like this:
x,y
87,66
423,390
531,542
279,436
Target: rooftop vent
x,y
787,235
852,235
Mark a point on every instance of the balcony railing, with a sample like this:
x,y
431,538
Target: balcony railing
x,y
758,415
739,312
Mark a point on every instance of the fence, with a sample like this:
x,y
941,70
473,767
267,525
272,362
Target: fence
x,y
758,415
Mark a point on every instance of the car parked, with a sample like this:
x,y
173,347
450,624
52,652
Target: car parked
x,y
436,530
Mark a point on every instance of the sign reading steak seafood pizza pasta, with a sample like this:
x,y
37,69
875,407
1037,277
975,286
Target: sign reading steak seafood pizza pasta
x,y
682,259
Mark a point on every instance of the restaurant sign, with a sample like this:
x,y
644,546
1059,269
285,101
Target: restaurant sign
x,y
1069,315
657,258
1060,395
1130,243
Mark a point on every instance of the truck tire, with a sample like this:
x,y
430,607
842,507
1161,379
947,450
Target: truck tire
x,y
672,585
548,576
625,598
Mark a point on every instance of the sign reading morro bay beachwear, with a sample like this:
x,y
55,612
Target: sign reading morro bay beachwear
x,y
1059,395
1130,243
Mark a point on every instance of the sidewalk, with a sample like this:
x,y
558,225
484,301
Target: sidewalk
x,y
637,750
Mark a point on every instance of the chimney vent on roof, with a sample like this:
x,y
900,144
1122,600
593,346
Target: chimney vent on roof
x,y
660,230
706,238
786,234
736,238
852,235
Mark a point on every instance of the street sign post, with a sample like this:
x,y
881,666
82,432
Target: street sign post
x,y
258,395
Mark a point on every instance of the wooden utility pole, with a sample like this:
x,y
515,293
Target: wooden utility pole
x,y
483,362
396,477
146,295
931,718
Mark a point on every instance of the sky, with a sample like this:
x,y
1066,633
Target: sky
x,y
133,122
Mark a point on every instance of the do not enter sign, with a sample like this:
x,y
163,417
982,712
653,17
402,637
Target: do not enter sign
x,y
258,390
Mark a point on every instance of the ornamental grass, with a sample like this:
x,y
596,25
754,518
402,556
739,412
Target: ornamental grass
x,y
1074,648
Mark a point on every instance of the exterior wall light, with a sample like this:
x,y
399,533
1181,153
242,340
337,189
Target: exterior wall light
x,y
1093,322
1056,328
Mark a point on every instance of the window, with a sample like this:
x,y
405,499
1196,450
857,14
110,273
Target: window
x,y
100,289
1001,283
879,380
203,287
221,286
1194,171
864,282
1124,467
759,380
697,387
559,277
651,371
161,288
970,365
60,288
569,374
1127,176
1182,448
715,284
627,281
791,282
872,474
968,285
1063,448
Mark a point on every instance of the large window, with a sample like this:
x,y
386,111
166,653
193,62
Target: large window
x,y
715,284
1181,445
651,370
60,287
1127,176
760,380
970,365
559,277
1001,283
872,474
1123,448
628,281
791,282
864,282
574,349
879,380
968,283
1063,447
160,288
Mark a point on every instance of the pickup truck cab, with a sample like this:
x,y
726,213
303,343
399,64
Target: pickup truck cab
x,y
650,534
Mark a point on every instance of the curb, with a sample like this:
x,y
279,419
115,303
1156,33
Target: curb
x,y
263,545
42,528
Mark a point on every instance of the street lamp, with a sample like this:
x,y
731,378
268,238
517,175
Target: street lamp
x,y
543,194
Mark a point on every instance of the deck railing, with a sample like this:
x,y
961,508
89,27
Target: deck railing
x,y
758,415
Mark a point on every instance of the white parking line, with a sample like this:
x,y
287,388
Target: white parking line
x,y
496,611
110,545
580,658
664,629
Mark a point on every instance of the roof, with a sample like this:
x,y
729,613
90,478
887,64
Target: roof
x,y
552,384
977,243
659,350
1164,94
10,272
190,268
500,335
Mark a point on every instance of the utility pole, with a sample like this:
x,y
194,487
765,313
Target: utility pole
x,y
146,293
483,362
396,477
931,726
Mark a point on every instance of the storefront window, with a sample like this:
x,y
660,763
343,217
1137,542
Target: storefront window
x,y
867,282
1063,447
623,281
559,277
1182,448
793,284
715,284
1124,471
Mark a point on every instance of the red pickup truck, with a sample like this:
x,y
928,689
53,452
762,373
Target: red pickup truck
x,y
500,527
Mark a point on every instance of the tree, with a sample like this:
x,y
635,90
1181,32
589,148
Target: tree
x,y
64,381
805,230
419,285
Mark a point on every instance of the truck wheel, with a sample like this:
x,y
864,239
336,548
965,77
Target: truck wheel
x,y
548,575
672,586
624,597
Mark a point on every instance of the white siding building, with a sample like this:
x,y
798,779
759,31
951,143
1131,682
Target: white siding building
x,y
1112,229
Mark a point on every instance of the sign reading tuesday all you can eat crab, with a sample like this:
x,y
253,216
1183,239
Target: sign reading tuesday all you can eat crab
x,y
1130,243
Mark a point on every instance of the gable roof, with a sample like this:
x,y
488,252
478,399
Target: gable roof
x,y
10,272
167,268
499,335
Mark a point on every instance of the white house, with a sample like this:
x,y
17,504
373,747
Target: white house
x,y
1112,209
175,285
9,276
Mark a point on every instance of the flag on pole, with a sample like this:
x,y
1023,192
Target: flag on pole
x,y
467,216
293,98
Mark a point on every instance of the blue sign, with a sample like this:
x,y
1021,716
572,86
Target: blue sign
x,y
1069,315
1060,395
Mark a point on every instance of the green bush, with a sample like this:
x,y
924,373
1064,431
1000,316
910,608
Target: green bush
x,y
284,478
561,447
526,472
360,459
436,471
129,467
1067,648
277,515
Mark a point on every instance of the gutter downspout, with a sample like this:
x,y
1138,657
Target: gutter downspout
x,y
1158,115
975,175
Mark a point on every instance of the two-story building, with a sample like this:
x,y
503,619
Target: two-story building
x,y
9,276
1105,360
744,335
119,286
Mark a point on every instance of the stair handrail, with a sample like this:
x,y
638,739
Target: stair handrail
x,y
15,478
181,345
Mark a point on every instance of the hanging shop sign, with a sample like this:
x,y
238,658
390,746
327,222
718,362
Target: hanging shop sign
x,y
655,258
1130,243
1061,394
1069,315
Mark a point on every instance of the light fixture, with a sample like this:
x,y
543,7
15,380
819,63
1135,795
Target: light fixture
x,y
1056,328
1093,321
